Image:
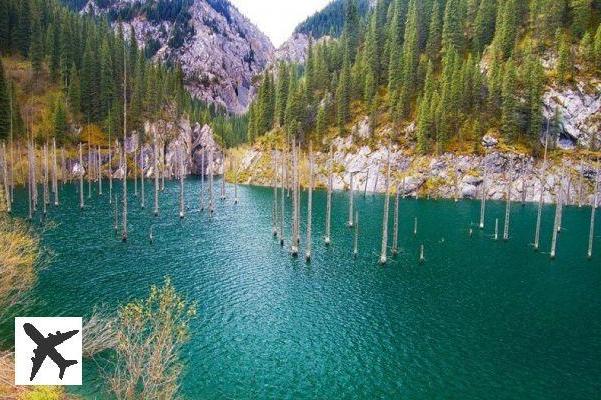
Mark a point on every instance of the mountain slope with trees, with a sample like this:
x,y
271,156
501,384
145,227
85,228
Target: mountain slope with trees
x,y
440,74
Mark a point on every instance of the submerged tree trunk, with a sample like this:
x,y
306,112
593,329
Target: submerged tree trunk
x,y
81,172
124,231
593,210
507,208
328,238
351,213
541,196
295,209
5,178
202,180
356,237
142,182
383,253
395,225
182,175
156,176
309,205
210,167
483,200
55,174
99,163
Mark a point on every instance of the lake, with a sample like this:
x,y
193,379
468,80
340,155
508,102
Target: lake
x,y
478,319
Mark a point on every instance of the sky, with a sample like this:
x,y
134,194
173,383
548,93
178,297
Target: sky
x,y
278,18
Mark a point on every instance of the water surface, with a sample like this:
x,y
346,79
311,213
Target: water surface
x,y
479,319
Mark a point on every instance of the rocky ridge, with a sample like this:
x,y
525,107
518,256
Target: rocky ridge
x,y
220,54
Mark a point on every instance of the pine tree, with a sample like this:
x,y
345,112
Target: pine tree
x,y
5,42
410,56
54,52
452,31
74,92
281,93
107,82
4,104
597,46
310,71
587,49
321,124
535,81
372,62
509,125
59,121
434,33
395,44
484,26
581,13
22,34
36,49
351,28
343,95
563,60
507,27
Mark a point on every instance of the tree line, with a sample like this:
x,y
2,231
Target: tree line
x,y
456,67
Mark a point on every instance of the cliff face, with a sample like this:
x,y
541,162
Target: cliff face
x,y
220,51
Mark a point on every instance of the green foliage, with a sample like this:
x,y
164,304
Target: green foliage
x,y
59,121
509,124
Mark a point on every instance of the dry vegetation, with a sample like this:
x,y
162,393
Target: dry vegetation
x,y
150,336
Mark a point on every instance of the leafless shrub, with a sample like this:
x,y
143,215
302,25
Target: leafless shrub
x,y
149,339
99,332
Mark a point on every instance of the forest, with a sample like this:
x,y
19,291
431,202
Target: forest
x,y
456,69
68,71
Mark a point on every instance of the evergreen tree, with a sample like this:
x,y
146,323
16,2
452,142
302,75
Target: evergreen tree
x,y
5,43
587,49
509,124
74,92
535,82
351,28
581,12
563,60
54,52
597,46
452,30
4,104
507,27
395,44
343,95
372,61
321,122
59,121
22,33
36,49
281,93
434,33
107,82
310,71
410,58
484,26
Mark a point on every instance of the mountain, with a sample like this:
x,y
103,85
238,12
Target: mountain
x,y
219,50
322,26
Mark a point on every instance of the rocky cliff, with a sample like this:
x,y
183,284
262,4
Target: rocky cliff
x,y
219,49
445,176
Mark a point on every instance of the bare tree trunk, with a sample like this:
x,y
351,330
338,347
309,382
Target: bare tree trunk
x,y
202,179
507,208
110,166
223,178
46,199
309,205
124,219
395,226
81,172
5,178
210,167
55,174
89,169
142,183
282,199
556,223
593,210
99,164
295,210
483,199
156,176
351,213
30,182
328,238
541,196
182,207
383,253
356,237
580,183
136,171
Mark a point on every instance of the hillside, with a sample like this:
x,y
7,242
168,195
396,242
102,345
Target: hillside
x,y
445,73
219,50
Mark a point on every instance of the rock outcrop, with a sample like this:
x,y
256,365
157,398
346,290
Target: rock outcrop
x,y
220,50
578,110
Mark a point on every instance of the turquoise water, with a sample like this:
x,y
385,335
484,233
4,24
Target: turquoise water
x,y
479,319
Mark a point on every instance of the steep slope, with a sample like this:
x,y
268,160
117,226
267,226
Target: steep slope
x,y
219,50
